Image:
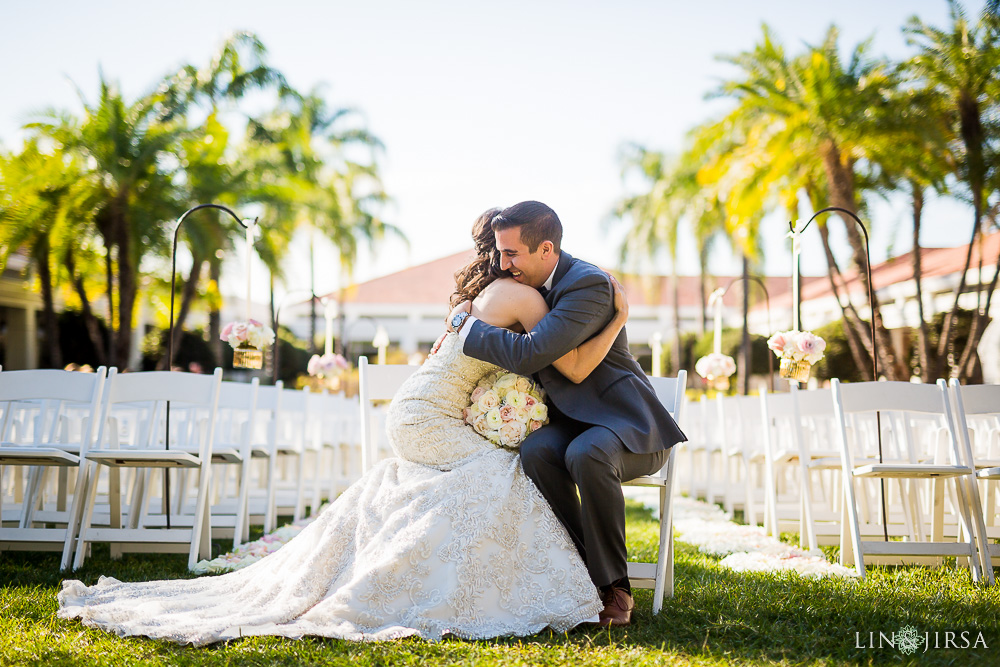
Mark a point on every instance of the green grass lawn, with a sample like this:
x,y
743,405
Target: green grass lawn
x,y
716,617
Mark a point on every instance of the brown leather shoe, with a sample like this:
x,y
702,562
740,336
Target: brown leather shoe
x,y
618,605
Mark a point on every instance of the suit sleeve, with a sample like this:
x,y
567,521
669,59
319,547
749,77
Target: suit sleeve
x,y
581,312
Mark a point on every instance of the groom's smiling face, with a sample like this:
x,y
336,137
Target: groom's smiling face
x,y
526,267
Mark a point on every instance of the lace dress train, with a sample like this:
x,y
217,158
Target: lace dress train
x,y
450,537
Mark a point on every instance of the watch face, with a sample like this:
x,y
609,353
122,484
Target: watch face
x,y
458,319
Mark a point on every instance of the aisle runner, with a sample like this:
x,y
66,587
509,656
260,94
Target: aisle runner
x,y
745,548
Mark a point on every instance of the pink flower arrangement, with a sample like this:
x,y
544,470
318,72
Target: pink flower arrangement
x,y
505,408
797,346
326,366
715,365
250,333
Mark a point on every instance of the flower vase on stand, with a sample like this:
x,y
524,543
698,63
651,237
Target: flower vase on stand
x,y
797,351
248,340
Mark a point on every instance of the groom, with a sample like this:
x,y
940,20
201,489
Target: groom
x,y
607,429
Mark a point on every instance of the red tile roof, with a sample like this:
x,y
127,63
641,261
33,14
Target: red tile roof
x,y
934,262
434,282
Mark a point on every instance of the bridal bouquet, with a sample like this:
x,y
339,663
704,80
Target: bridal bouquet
x,y
716,368
798,351
248,339
506,407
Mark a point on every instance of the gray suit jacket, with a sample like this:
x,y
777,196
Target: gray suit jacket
x,y
617,395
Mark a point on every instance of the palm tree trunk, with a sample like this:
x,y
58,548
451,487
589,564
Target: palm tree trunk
x,y
214,316
127,287
703,289
675,352
971,129
923,345
840,178
109,276
48,302
858,339
188,293
967,361
744,367
89,319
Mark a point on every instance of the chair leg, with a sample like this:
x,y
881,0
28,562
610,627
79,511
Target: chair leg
x,y
663,554
88,515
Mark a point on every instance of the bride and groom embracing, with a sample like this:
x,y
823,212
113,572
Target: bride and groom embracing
x,y
455,535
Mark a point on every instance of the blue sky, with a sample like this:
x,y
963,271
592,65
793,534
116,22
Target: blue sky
x,y
479,104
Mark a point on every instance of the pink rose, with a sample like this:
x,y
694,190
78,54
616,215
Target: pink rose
x,y
534,426
478,393
807,344
240,331
512,433
465,414
529,401
228,329
508,413
777,342
254,323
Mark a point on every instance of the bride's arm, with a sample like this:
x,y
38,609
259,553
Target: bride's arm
x,y
580,362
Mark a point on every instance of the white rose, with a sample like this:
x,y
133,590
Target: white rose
x,y
505,381
540,412
488,401
523,384
516,399
493,419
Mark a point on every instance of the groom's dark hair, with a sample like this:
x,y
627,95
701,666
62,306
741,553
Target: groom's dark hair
x,y
537,222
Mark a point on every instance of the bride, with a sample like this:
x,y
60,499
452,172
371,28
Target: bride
x,y
448,537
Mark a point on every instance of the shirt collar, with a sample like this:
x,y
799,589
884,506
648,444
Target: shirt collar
x,y
548,283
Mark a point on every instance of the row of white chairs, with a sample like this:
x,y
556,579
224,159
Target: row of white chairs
x,y
854,463
237,454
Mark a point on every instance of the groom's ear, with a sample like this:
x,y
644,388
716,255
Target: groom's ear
x,y
547,248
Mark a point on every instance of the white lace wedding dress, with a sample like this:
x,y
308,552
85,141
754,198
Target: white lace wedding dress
x,y
451,537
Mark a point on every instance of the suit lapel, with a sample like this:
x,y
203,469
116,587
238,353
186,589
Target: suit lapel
x,y
562,268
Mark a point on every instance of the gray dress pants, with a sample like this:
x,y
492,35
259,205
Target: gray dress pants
x,y
579,469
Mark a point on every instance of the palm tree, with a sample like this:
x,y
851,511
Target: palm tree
x,y
811,116
962,65
44,208
127,151
317,166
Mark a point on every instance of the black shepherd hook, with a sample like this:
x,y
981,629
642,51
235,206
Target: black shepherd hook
x,y
170,330
871,302
767,302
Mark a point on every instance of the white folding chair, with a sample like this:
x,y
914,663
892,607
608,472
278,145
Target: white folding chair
x,y
660,575
232,452
917,429
376,383
977,409
804,463
186,405
57,412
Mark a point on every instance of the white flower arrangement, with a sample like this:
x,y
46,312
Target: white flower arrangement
x,y
505,408
250,333
715,365
329,365
797,346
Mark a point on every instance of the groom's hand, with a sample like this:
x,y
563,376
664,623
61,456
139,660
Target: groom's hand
x,y
464,307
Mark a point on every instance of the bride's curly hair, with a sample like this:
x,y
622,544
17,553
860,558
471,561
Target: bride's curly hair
x,y
485,268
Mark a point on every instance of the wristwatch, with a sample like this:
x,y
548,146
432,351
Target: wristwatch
x,y
458,320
